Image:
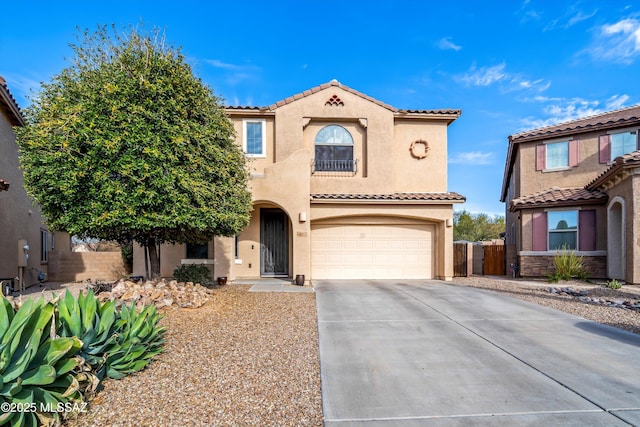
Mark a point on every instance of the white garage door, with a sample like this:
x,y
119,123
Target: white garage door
x,y
365,251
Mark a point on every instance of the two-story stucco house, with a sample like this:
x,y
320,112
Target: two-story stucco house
x,y
344,186
575,185
20,219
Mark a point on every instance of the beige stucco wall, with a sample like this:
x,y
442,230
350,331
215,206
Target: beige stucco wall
x,y
20,218
381,143
532,181
283,178
628,191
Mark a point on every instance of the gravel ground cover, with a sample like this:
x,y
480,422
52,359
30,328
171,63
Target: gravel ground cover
x,y
538,292
242,359
247,358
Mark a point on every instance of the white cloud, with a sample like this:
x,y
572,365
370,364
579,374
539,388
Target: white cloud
x,y
497,74
447,44
219,64
559,110
618,42
484,76
569,19
616,102
472,158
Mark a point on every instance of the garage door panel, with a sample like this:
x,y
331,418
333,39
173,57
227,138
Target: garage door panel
x,y
358,251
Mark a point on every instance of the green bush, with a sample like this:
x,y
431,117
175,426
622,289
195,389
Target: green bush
x,y
36,369
567,266
196,273
613,284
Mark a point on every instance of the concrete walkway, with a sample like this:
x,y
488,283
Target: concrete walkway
x,y
273,285
431,353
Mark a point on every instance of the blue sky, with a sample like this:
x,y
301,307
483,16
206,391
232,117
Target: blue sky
x,y
508,65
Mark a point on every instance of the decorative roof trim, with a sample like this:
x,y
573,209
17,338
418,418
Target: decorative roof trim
x,y
627,161
606,120
446,114
616,119
558,197
399,198
9,104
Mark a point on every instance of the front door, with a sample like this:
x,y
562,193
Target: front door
x,y
274,243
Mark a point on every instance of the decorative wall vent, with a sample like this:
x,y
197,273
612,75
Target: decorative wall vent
x,y
334,101
419,149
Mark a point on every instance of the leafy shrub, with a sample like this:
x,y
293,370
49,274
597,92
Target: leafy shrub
x,y
35,368
567,265
613,284
196,273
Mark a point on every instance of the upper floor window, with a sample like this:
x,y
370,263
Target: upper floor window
x,y
254,138
557,155
617,144
334,149
623,143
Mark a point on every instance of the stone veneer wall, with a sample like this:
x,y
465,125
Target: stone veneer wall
x,y
78,266
540,266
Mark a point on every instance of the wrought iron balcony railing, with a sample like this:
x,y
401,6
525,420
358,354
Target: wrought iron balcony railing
x,y
334,166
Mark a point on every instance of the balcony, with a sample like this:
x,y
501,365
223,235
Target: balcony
x,y
334,167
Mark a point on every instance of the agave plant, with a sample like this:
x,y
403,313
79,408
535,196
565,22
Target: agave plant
x,y
139,339
115,343
91,321
35,368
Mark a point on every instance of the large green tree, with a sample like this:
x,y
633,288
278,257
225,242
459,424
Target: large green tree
x,y
127,144
476,227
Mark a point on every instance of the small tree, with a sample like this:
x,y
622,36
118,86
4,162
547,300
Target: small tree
x,y
476,227
127,144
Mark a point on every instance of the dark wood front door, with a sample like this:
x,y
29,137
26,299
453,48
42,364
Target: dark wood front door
x,y
274,243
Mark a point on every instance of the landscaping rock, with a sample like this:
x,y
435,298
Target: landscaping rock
x,y
158,292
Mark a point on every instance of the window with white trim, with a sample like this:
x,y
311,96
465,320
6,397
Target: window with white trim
x,y
623,143
254,137
563,229
557,155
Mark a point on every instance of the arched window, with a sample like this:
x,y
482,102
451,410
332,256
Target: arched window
x,y
334,149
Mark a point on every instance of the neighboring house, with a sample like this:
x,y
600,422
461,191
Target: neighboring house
x,y
20,218
576,185
344,187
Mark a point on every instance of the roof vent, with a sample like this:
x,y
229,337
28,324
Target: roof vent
x,y
334,101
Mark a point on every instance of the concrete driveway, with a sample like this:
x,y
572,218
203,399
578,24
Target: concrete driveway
x,y
430,353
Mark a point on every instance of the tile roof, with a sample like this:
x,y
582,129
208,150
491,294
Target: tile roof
x,y
628,160
623,117
558,197
444,197
9,104
4,185
335,83
616,118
